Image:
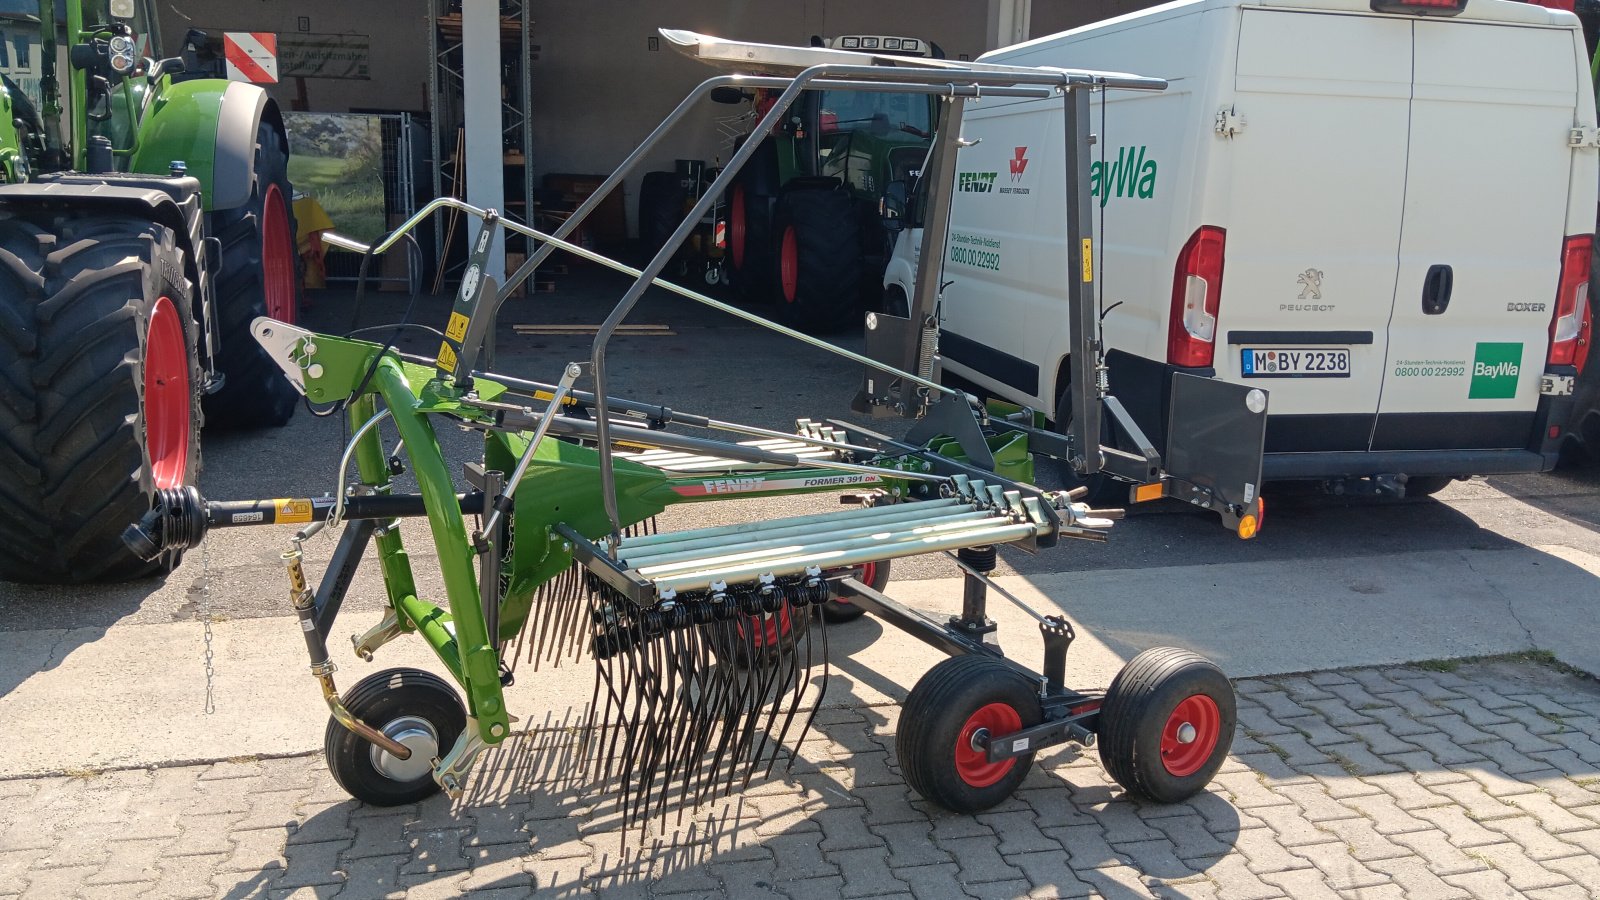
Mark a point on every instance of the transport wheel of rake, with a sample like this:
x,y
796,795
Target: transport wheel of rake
x,y
754,638
260,276
1103,489
961,702
1166,724
839,609
99,385
416,708
818,249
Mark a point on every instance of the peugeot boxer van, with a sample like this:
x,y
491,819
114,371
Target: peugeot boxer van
x,y
1382,211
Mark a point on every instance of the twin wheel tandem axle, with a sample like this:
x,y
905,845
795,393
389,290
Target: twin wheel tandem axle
x,y
718,629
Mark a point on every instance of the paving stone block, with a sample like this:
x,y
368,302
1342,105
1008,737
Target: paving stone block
x,y
980,859
129,861
1407,793
1416,881
799,856
1568,792
373,877
750,878
1482,883
998,890
1339,869
1522,871
1375,681
826,888
1264,853
1551,816
1258,720
555,877
1235,881
889,804
312,864
1363,840
255,850
1315,803
1461,830
1086,846
1157,859
1578,741
1338,783
1402,723
1050,875
1565,892
1051,808
1457,728
1291,826
846,829
1279,704
1583,869
1474,712
1441,856
1295,749
910,844
1379,739
1476,802
1192,837
942,881
866,872
1272,767
1117,881
437,850
1387,816
1302,884
1018,832
1338,712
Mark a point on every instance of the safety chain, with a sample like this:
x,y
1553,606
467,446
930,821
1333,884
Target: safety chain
x,y
205,620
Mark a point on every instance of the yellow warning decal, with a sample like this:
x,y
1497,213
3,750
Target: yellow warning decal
x,y
457,329
447,357
292,512
1088,260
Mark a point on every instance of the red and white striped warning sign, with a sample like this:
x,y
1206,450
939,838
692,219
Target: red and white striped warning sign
x,y
251,56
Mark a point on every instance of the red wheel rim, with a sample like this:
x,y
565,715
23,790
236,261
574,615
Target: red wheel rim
x,y
736,226
789,264
972,763
166,396
864,574
277,256
765,630
1190,735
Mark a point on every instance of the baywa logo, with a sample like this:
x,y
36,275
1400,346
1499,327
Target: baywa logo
x,y
1130,176
1495,371
976,182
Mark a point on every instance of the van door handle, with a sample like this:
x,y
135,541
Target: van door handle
x,y
1436,290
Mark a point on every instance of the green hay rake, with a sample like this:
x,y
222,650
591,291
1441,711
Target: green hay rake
x,y
707,642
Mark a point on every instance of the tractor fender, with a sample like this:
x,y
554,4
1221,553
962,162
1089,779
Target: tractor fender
x,y
169,201
210,125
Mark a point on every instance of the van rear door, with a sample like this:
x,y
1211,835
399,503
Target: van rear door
x,y
1480,248
1317,178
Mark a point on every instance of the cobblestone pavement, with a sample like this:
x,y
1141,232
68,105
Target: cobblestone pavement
x,y
1481,780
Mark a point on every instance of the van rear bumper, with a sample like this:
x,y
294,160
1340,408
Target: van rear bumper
x,y
1360,464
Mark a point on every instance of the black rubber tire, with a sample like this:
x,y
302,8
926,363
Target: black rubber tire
x,y
255,393
934,716
1427,485
1104,490
895,302
378,700
77,290
827,285
756,190
838,610
1137,706
661,199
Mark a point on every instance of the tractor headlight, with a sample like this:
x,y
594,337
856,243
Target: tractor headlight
x,y
124,55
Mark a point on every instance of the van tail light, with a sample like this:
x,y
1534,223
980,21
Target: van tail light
x,y
1569,329
1196,296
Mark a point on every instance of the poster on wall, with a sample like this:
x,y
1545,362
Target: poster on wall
x,y
337,159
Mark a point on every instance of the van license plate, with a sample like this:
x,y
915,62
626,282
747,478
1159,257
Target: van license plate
x,y
1295,362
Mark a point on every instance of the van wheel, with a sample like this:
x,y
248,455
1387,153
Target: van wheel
x,y
1103,489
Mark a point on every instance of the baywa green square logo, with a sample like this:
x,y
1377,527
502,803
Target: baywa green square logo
x,y
1495,368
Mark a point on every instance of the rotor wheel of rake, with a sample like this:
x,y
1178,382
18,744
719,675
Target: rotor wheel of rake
x,y
1166,724
419,710
839,609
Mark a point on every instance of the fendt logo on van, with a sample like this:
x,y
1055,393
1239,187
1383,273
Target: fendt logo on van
x,y
1130,176
976,182
1495,369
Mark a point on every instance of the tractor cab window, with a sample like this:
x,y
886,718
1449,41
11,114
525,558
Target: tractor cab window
x,y
844,113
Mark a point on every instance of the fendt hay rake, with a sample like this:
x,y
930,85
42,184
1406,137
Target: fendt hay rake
x,y
706,641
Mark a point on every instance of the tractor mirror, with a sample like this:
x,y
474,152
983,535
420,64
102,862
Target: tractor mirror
x,y
892,206
729,95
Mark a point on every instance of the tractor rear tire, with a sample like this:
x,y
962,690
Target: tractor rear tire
x,y
818,251
260,276
750,210
99,390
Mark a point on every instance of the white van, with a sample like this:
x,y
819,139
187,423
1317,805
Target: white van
x,y
1380,210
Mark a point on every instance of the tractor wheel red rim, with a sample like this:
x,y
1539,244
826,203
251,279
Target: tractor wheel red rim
x,y
736,226
167,398
277,256
1190,735
789,264
864,574
765,630
972,761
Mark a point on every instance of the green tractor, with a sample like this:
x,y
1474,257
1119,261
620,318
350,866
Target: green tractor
x,y
803,222
144,223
